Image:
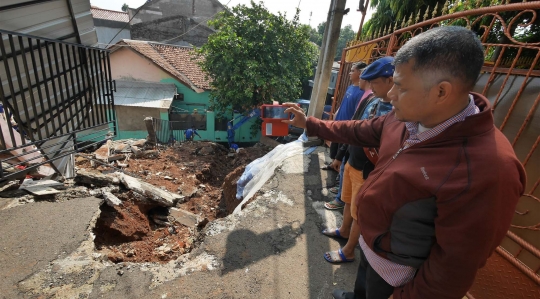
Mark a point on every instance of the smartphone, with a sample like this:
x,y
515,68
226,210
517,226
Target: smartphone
x,y
275,112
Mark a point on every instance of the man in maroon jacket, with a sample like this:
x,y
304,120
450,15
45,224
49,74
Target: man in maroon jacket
x,y
444,190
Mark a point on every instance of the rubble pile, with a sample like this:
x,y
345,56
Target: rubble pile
x,y
156,199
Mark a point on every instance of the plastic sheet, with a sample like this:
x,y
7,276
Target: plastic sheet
x,y
261,169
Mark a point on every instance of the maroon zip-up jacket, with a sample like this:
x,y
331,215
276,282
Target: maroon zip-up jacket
x,y
442,205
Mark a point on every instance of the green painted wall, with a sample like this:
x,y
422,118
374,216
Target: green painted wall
x,y
201,102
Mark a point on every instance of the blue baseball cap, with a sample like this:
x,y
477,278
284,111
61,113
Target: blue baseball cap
x,y
382,67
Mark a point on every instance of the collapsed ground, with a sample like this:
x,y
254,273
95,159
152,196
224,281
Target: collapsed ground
x,y
138,229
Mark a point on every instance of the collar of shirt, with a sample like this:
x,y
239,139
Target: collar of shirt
x,y
416,137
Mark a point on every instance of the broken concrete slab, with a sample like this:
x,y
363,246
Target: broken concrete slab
x,y
42,183
163,197
35,234
184,217
111,199
40,190
95,178
120,147
103,152
139,143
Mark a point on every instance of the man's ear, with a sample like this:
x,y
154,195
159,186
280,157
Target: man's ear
x,y
443,90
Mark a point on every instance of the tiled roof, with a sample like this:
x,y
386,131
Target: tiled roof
x,y
111,15
181,59
176,60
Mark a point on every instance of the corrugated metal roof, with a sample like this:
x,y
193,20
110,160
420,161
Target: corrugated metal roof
x,y
49,19
112,15
144,94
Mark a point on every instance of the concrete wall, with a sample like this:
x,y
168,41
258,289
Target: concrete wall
x,y
166,19
105,34
179,30
198,9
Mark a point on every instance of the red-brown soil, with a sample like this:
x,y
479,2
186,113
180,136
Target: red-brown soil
x,y
196,170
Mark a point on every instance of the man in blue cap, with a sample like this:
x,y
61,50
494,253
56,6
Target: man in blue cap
x,y
359,165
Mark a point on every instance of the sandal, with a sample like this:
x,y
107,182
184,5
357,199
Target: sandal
x,y
333,205
334,190
333,233
337,257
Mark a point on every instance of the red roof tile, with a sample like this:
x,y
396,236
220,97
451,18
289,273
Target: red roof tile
x,y
111,15
176,60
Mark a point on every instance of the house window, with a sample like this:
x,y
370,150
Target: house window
x,y
185,120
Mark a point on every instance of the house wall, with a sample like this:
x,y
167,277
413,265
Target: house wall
x,y
107,29
128,65
166,19
167,8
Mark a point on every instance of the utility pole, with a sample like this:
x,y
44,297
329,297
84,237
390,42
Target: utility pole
x,y
326,58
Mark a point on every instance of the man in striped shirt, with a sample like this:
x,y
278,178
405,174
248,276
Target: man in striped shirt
x,y
444,190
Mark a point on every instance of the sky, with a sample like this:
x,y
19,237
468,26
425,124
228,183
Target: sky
x,y
317,8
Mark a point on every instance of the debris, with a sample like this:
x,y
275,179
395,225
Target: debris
x,y
40,190
111,199
184,217
102,153
168,178
95,178
9,185
164,198
205,151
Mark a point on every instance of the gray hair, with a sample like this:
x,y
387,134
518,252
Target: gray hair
x,y
450,51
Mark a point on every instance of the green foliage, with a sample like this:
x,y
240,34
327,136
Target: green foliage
x,y
125,7
346,34
256,57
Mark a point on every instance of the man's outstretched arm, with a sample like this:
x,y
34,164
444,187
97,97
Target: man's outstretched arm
x,y
353,132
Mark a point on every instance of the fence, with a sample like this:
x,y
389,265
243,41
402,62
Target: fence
x,y
49,94
510,79
166,132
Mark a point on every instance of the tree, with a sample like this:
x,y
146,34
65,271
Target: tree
x,y
125,7
346,34
256,57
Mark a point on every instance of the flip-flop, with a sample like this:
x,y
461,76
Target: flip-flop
x,y
333,205
334,190
327,167
333,233
337,257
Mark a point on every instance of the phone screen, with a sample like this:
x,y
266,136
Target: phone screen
x,y
277,112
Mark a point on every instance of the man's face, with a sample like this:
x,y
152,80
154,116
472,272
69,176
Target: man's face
x,y
354,74
411,101
380,86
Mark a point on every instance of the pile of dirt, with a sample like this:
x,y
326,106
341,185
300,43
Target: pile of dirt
x,y
204,173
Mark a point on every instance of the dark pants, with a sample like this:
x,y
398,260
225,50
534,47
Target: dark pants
x,y
369,284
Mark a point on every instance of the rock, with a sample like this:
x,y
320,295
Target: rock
x,y
168,178
202,186
184,217
111,199
205,151
189,191
164,198
95,178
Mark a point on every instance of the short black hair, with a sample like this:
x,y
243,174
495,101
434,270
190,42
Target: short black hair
x,y
359,65
452,51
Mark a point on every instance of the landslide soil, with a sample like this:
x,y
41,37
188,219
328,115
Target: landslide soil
x,y
204,172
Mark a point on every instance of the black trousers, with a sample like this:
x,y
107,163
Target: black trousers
x,y
369,284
